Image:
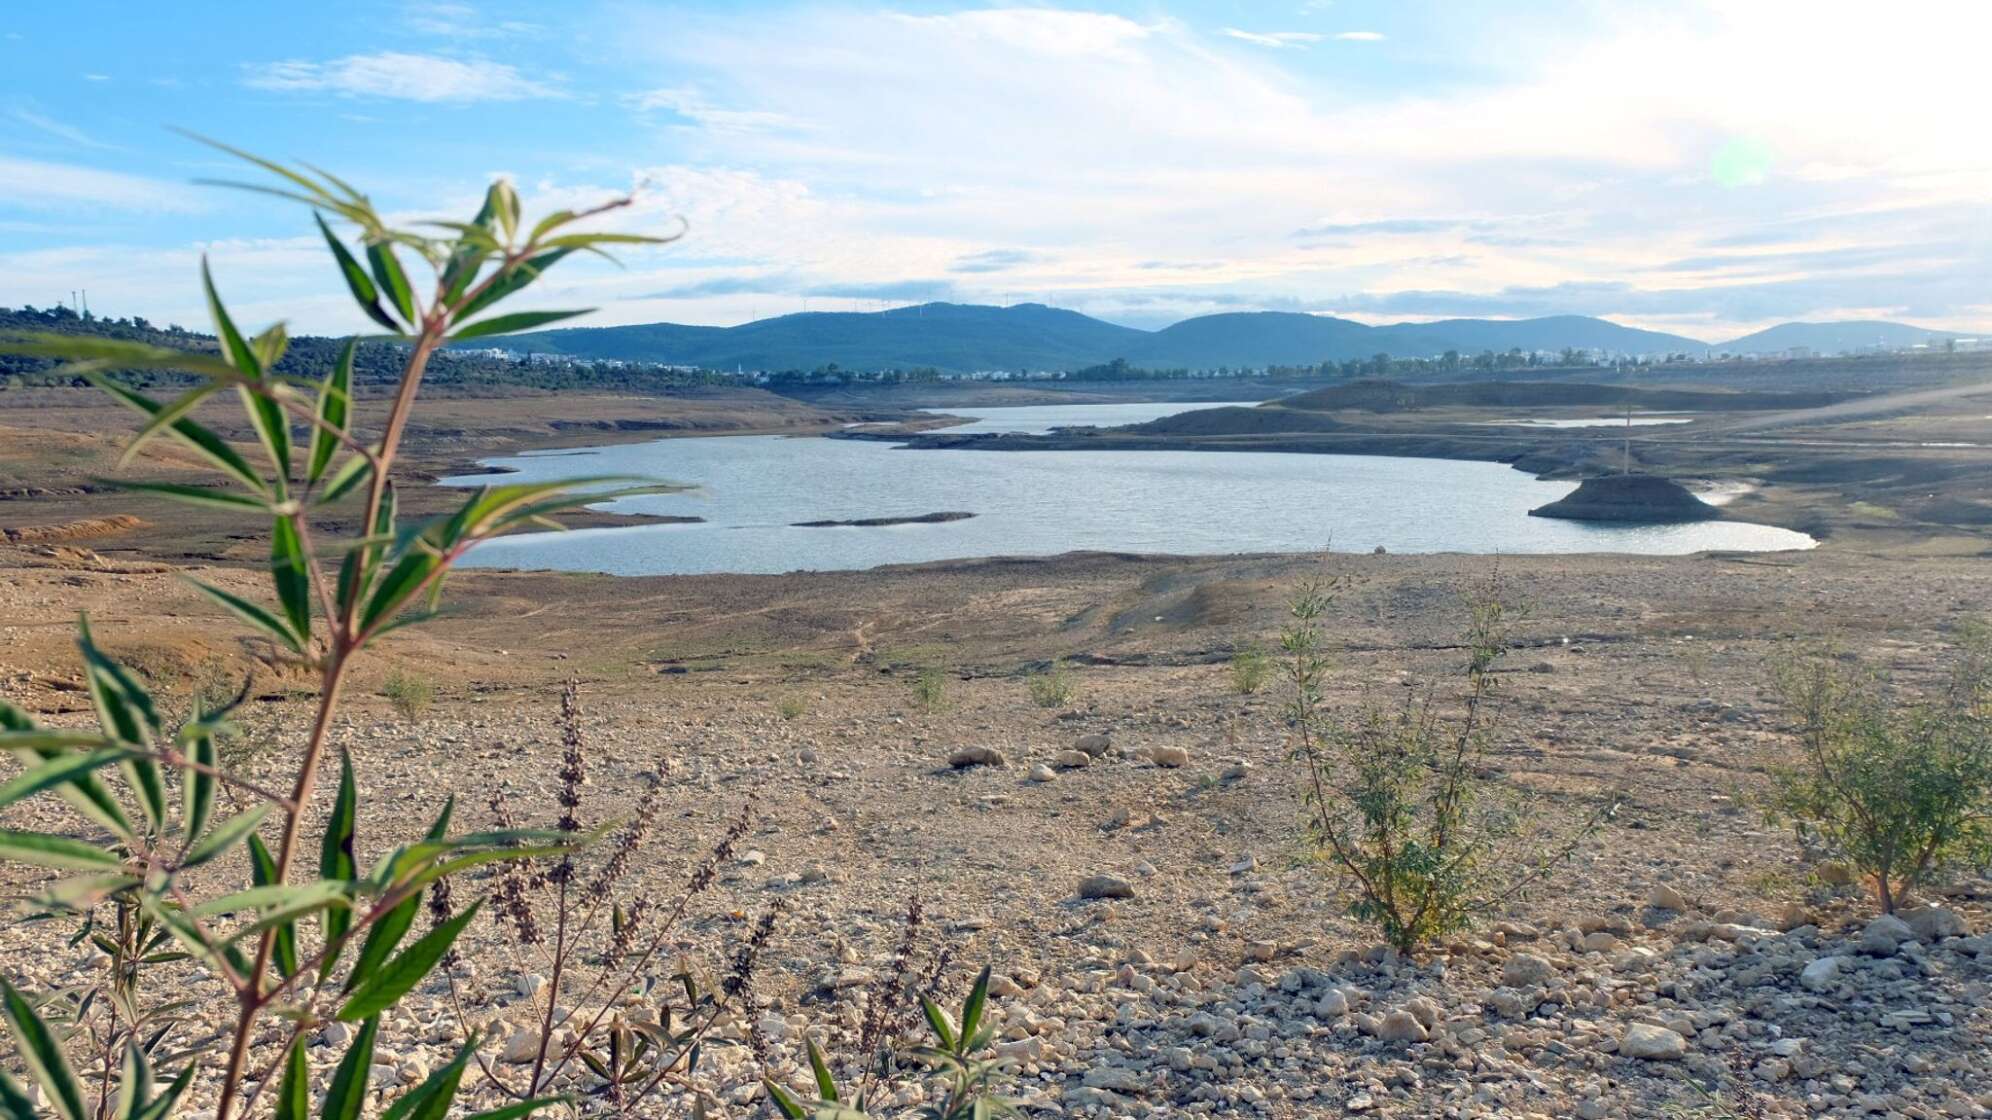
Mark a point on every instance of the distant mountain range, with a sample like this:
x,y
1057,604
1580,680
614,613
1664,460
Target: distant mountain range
x,y
966,337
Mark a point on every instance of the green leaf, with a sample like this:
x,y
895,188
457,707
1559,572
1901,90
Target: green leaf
x,y
204,442
440,827
382,937
514,1111
971,1009
938,1019
164,419
351,471
256,616
516,279
431,1099
60,770
163,1106
272,426
335,856
290,572
39,849
334,406
294,1091
196,495
87,354
400,975
42,1054
234,347
826,1085
787,1105
516,321
398,586
263,872
134,1082
197,786
126,712
348,1091
357,280
225,835
393,281
32,744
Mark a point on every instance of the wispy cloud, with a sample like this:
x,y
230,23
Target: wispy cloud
x,y
53,127
41,185
1360,36
1276,39
693,106
461,21
993,260
402,76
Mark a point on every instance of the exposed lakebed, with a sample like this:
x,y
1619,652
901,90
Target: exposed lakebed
x,y
753,493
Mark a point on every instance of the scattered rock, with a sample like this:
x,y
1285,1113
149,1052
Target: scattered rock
x,y
966,757
1885,935
1105,886
1042,773
1665,897
1526,970
1096,744
1071,760
1821,975
1651,1043
1403,1026
1169,757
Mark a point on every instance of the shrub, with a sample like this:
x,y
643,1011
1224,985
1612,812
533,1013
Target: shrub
x,y
930,689
1394,793
1251,667
410,694
1898,786
298,944
792,707
1053,686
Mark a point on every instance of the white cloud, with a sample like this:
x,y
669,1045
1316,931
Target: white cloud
x,y
696,108
1360,36
40,185
403,76
1275,39
54,127
460,21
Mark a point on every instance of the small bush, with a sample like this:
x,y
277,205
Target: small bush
x,y
1251,667
410,694
930,689
1395,797
1053,687
1898,786
792,706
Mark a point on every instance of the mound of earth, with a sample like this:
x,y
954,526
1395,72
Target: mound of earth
x,y
1377,395
1640,498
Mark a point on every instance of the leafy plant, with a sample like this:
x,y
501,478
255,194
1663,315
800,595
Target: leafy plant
x,y
1054,686
1251,668
295,948
1395,797
930,689
410,694
966,1091
1898,786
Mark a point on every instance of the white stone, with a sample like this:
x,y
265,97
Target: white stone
x,y
1652,1043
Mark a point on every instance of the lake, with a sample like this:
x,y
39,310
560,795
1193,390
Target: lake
x,y
752,489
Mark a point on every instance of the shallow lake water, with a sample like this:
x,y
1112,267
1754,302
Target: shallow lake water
x,y
752,489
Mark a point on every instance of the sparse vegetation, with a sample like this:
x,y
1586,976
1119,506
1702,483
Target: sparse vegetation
x,y
792,706
1897,785
297,947
1054,686
410,693
1395,793
930,688
1251,668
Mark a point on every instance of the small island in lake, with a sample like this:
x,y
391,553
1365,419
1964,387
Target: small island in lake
x,y
877,522
1636,498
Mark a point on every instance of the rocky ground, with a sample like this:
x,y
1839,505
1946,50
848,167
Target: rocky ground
x,y
1689,960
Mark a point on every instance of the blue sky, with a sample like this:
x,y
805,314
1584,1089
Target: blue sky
x,y
1700,166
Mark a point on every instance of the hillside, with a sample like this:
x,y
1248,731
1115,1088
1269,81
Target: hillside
x,y
966,337
1834,338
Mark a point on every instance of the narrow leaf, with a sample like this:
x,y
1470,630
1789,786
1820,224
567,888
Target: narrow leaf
x,y
256,616
263,872
42,1054
60,770
225,835
393,281
294,1091
39,849
197,786
516,321
400,975
234,347
334,405
357,280
348,1091
336,859
289,571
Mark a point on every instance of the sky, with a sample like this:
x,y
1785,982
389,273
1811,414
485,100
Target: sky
x,y
1706,167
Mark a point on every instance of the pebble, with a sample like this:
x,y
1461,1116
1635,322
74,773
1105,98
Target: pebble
x,y
1105,886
